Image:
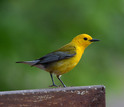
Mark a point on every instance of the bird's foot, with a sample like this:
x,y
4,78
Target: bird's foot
x,y
62,86
53,85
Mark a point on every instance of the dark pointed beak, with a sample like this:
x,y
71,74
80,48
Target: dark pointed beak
x,y
94,40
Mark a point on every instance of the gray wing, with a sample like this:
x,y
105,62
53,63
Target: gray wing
x,y
54,56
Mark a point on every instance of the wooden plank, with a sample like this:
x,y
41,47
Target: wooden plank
x,y
83,96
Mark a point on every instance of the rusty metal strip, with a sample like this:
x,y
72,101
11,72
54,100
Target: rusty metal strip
x,y
83,96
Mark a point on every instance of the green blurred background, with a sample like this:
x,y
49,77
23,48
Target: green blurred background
x,y
30,29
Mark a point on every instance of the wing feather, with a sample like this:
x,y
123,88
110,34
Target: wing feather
x,y
56,56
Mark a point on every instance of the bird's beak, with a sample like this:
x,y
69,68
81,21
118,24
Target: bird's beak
x,y
94,40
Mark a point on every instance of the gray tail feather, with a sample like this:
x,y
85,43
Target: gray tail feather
x,y
29,62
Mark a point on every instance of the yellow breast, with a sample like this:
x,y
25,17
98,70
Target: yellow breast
x,y
64,66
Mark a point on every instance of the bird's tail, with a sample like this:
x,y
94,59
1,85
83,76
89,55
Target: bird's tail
x,y
29,62
32,63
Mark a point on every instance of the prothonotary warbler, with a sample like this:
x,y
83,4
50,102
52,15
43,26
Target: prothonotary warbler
x,y
64,59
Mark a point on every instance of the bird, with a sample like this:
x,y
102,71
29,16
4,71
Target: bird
x,y
64,59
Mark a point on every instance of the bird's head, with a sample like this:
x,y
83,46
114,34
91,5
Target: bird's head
x,y
83,40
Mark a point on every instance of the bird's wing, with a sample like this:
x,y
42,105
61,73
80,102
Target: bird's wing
x,y
56,56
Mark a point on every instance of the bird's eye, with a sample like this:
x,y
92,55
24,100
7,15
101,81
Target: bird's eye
x,y
85,38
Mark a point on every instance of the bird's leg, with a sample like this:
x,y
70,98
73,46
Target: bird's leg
x,y
53,85
58,76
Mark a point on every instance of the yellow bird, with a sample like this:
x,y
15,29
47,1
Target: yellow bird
x,y
64,59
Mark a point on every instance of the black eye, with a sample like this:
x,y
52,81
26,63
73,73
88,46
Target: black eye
x,y
85,38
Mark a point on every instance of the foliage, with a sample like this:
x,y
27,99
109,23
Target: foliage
x,y
30,29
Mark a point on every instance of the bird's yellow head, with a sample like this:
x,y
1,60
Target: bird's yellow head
x,y
83,40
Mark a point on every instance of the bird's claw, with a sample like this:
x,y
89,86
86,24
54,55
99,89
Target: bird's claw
x,y
53,85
